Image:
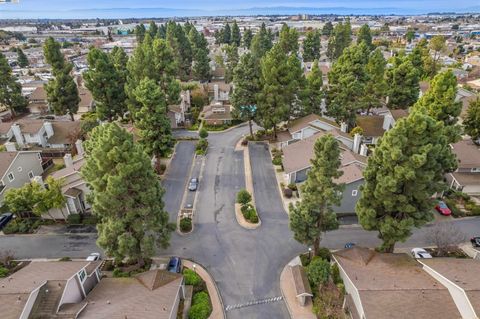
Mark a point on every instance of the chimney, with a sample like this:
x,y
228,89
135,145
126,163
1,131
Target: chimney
x,y
344,127
17,132
10,146
357,140
79,147
387,122
363,150
215,92
48,128
187,98
68,160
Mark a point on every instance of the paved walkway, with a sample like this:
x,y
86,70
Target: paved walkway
x,y
288,291
217,306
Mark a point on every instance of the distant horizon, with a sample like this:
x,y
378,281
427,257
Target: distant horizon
x,y
122,9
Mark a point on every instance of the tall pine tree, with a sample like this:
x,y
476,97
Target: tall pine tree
x,y
10,90
311,46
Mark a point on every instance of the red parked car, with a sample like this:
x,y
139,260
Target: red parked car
x,y
443,209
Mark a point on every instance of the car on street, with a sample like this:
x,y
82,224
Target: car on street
x,y
5,219
93,257
349,245
420,253
193,185
175,265
475,241
443,209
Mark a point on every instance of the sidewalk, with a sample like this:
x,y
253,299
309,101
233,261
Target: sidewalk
x,y
288,291
217,304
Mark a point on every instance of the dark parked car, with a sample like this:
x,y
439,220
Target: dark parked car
x,y
175,265
443,209
475,241
4,219
349,245
193,184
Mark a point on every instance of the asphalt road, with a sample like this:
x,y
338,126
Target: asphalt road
x,y
246,264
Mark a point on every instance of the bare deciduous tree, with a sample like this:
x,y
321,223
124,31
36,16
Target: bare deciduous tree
x,y
446,236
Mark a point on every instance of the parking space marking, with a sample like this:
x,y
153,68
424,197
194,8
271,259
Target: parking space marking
x,y
253,303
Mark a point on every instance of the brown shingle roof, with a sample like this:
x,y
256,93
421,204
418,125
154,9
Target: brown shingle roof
x,y
398,114
372,125
30,126
210,115
462,272
468,154
39,94
62,131
6,159
154,279
467,178
302,287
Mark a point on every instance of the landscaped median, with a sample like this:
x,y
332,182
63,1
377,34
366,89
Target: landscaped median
x,y
245,211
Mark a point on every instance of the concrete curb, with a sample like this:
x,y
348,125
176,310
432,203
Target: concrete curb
x,y
208,278
242,221
228,129
183,200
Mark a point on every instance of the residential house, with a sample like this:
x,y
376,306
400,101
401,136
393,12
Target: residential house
x,y
86,103
310,125
178,113
460,276
219,91
467,176
75,289
28,132
37,101
18,168
5,113
391,286
74,188
218,113
296,164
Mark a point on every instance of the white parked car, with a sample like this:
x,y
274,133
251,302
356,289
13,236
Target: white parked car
x,y
420,253
93,257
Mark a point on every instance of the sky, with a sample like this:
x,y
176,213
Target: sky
x,y
142,8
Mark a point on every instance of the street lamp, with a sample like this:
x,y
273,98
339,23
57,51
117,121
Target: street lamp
x,y
310,252
194,266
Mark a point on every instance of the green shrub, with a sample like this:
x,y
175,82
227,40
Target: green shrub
x,y
21,226
65,259
288,193
335,272
191,277
201,307
292,186
117,272
341,287
108,266
89,220
3,272
243,197
324,253
186,224
472,208
203,133
318,272
456,212
74,219
277,160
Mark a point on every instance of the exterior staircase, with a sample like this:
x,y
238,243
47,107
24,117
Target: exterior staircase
x,y
48,300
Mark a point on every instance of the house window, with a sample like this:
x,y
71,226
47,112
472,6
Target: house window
x,y
39,156
11,177
31,175
19,169
354,192
82,275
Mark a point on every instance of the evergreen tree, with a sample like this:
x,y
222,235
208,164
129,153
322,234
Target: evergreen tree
x,y
403,84
153,29
126,195
201,60
314,94
62,93
152,119
365,35
261,43
472,121
232,61
120,60
10,90
153,60
140,31
296,86
246,81
247,38
288,39
437,45
347,82
311,46
376,87
22,58
227,34
340,39
182,50
53,55
162,32
314,214
405,171
236,37
327,29
106,84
